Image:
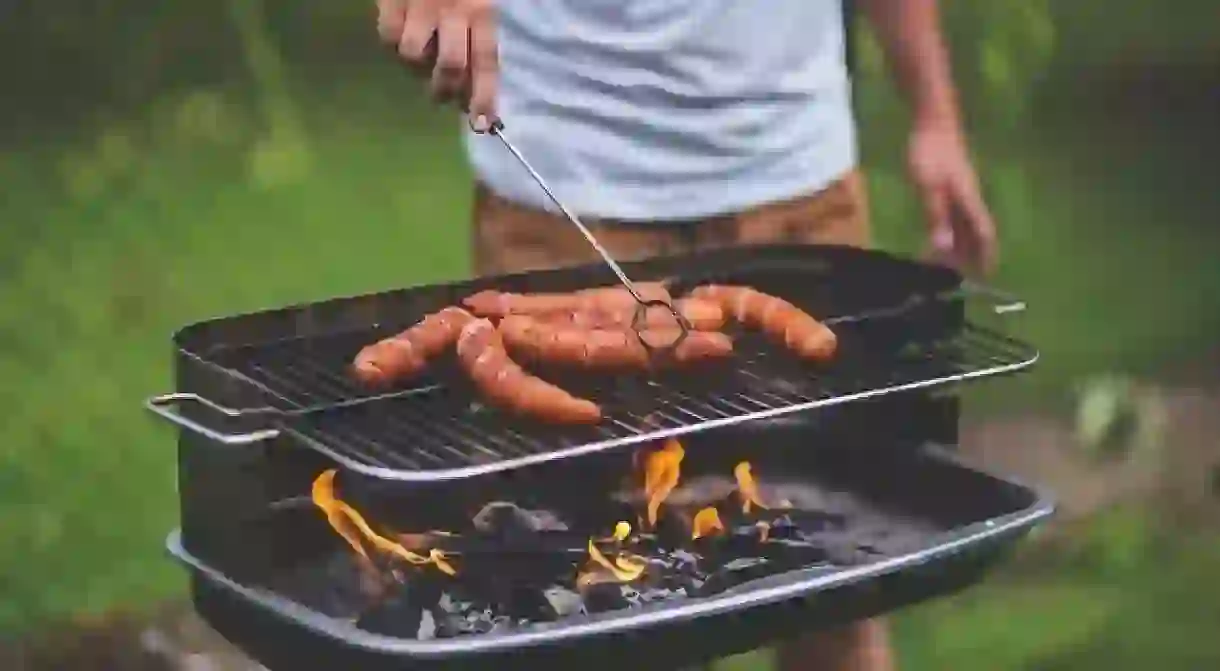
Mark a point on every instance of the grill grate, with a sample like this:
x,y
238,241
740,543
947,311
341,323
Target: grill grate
x,y
435,431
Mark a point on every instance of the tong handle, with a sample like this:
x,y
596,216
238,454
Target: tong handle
x,y
497,129
642,306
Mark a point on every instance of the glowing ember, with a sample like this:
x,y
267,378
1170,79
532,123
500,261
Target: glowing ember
x,y
706,522
661,473
351,526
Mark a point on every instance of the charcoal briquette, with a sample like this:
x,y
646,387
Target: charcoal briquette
x,y
602,597
403,612
452,625
734,573
504,519
528,602
843,550
563,601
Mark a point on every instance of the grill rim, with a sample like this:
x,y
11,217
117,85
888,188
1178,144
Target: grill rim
x,y
498,466
284,422
793,584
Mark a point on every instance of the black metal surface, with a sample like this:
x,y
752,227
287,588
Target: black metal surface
x,y
894,337
947,524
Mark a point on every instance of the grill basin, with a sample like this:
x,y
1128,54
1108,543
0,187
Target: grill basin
x,y
937,525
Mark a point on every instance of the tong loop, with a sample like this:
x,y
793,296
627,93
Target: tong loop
x,y
638,321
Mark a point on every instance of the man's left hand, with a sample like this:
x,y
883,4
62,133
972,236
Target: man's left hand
x,y
960,228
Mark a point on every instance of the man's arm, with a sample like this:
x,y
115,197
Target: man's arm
x,y
910,34
960,228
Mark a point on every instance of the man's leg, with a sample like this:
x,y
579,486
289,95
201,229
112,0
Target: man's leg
x,y
860,646
836,215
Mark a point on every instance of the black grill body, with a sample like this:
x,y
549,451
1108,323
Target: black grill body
x,y
246,523
944,524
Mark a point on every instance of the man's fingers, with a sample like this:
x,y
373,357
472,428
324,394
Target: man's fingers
x,y
979,228
391,15
484,63
940,224
453,42
418,31
454,45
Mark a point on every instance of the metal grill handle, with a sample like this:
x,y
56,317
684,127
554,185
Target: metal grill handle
x,y
1002,302
165,406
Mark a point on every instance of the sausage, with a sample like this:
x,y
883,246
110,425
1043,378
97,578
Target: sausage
x,y
607,349
782,321
481,352
703,315
406,353
491,303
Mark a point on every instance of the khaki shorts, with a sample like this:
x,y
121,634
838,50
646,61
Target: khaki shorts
x,y
509,237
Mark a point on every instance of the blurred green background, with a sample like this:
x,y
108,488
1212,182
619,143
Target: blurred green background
x,y
162,163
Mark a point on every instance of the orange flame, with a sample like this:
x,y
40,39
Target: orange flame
x,y
625,567
706,522
351,526
747,487
661,473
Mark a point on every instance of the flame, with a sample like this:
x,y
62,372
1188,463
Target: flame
x,y
748,488
621,531
706,522
625,566
661,474
351,526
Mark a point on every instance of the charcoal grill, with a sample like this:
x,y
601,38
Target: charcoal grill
x,y
263,404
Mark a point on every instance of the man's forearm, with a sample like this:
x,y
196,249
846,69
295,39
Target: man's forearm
x,y
910,35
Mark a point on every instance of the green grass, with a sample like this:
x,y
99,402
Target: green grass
x,y
95,284
113,239
1117,601
1107,233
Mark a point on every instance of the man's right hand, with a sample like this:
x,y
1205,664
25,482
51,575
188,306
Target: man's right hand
x,y
453,41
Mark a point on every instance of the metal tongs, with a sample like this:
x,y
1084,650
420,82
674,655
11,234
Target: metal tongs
x,y
639,319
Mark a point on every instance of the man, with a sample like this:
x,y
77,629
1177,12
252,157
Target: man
x,y
676,125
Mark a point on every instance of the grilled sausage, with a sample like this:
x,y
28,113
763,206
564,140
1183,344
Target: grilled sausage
x,y
606,349
407,353
481,352
703,315
779,319
491,303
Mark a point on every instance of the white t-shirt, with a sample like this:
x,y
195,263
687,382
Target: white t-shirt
x,y
669,109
